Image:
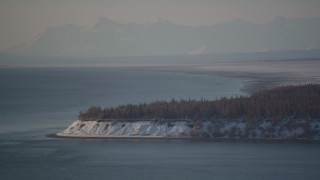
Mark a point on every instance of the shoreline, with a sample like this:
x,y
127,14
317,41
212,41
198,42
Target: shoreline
x,y
213,139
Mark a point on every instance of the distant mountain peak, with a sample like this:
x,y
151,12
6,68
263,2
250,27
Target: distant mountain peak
x,y
65,28
103,21
112,38
164,21
284,20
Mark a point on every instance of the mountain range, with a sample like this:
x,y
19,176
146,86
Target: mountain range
x,y
111,38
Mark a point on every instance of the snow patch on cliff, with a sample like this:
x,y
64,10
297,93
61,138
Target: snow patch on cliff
x,y
227,128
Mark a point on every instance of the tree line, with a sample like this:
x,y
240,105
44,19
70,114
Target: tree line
x,y
297,101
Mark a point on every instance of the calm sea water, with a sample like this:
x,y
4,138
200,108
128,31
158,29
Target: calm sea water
x,y
36,102
34,99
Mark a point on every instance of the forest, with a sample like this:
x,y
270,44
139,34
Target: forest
x,y
295,101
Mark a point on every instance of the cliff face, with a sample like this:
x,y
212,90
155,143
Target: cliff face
x,y
127,129
286,128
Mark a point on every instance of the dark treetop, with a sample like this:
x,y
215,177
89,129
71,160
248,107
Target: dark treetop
x,y
297,101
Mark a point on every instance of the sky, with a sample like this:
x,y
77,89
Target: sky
x,y
22,20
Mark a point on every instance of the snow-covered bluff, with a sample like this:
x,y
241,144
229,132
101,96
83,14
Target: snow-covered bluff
x,y
286,128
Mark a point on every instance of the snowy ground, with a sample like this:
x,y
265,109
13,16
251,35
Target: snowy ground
x,y
226,128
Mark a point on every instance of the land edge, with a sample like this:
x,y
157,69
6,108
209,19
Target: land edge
x,y
215,139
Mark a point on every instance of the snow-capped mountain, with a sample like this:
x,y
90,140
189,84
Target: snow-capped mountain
x,y
111,38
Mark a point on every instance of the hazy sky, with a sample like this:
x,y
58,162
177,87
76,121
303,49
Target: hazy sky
x,y
21,20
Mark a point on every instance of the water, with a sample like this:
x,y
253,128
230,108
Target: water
x,y
52,97
35,102
157,160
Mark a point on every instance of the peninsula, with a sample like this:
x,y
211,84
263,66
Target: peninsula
x,y
287,112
